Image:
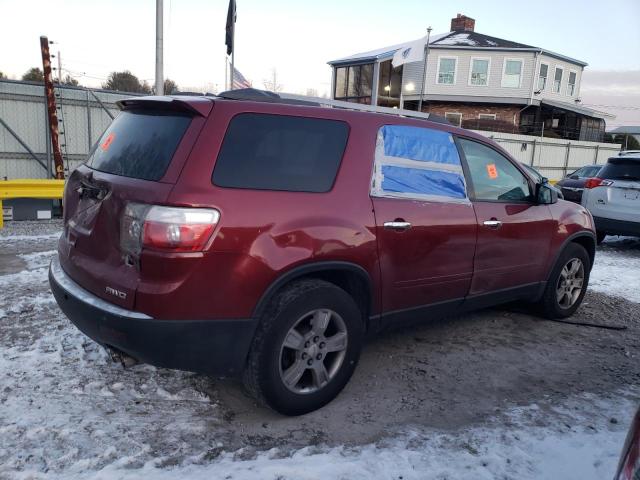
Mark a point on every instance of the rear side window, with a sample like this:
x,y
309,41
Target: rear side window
x,y
621,169
139,144
279,152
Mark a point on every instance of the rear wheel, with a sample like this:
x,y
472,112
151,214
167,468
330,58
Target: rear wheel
x,y
306,347
567,284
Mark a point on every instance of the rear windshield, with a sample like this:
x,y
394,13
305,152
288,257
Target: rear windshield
x,y
279,152
139,144
621,169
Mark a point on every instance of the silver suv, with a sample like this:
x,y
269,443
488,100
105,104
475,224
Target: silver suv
x,y
613,196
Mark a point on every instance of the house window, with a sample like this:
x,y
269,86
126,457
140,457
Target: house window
x,y
542,76
487,116
454,118
479,71
354,83
512,73
557,80
571,85
447,70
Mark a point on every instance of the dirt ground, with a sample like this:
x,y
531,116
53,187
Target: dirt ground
x,y
62,394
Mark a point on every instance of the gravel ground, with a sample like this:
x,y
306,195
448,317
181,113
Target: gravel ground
x,y
66,409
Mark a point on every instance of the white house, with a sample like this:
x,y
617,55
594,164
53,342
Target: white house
x,y
476,81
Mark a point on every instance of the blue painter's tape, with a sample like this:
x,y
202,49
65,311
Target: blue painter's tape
x,y
422,181
421,144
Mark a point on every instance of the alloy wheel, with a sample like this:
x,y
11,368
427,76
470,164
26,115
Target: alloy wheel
x,y
313,351
570,283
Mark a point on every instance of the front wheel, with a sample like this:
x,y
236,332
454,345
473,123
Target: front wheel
x,y
600,236
306,347
567,283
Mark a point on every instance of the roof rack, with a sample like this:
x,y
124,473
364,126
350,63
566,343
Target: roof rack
x,y
257,95
360,107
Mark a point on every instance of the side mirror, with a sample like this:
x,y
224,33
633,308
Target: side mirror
x,y
546,194
574,177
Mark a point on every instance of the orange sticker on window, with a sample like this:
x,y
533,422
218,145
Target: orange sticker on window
x,y
492,171
108,141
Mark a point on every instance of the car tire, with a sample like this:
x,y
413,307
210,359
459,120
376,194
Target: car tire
x,y
290,340
600,236
561,297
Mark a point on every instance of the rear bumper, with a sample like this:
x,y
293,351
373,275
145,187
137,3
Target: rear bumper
x,y
214,347
617,227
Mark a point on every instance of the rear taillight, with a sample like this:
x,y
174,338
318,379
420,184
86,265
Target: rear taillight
x,y
597,182
174,229
630,468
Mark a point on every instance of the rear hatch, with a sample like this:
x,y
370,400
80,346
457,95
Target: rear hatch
x,y
138,159
618,194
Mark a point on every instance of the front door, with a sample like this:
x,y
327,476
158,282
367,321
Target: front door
x,y
513,231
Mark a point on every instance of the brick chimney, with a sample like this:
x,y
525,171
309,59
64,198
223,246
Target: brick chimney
x,y
462,23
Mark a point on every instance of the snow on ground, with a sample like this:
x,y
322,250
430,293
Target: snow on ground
x,y
616,270
67,411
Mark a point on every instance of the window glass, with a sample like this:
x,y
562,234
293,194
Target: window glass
x,y
139,144
571,85
557,80
354,82
447,71
278,152
341,82
418,163
512,71
493,176
542,78
479,72
621,169
366,79
454,118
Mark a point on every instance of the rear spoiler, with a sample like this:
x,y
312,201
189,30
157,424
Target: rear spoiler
x,y
195,105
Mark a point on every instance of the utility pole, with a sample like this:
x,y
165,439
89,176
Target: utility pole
x,y
51,108
159,48
424,69
59,69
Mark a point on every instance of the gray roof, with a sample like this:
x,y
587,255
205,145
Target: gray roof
x,y
457,39
626,130
574,107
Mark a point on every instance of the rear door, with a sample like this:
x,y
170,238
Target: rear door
x,y
514,233
425,224
137,159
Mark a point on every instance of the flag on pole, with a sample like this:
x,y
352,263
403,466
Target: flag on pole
x,y
231,20
239,81
409,52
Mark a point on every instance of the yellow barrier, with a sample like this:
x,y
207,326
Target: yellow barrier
x,y
30,188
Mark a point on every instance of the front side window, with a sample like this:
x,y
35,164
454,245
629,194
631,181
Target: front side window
x,y
493,176
557,80
479,72
447,71
280,152
417,163
512,73
571,85
542,76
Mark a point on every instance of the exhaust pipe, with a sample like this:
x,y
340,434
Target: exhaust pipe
x,y
122,358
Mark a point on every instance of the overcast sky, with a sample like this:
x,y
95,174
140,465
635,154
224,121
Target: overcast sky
x,y
298,37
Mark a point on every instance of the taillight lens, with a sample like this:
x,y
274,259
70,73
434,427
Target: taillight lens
x,y
631,467
174,229
597,182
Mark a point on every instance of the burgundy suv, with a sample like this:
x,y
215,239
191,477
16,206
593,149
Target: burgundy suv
x,y
265,239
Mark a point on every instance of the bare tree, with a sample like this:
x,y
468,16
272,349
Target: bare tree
x,y
271,83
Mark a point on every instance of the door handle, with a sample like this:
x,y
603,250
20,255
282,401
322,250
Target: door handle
x,y
493,223
397,225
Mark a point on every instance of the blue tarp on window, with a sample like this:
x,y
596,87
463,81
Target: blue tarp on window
x,y
421,144
422,181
